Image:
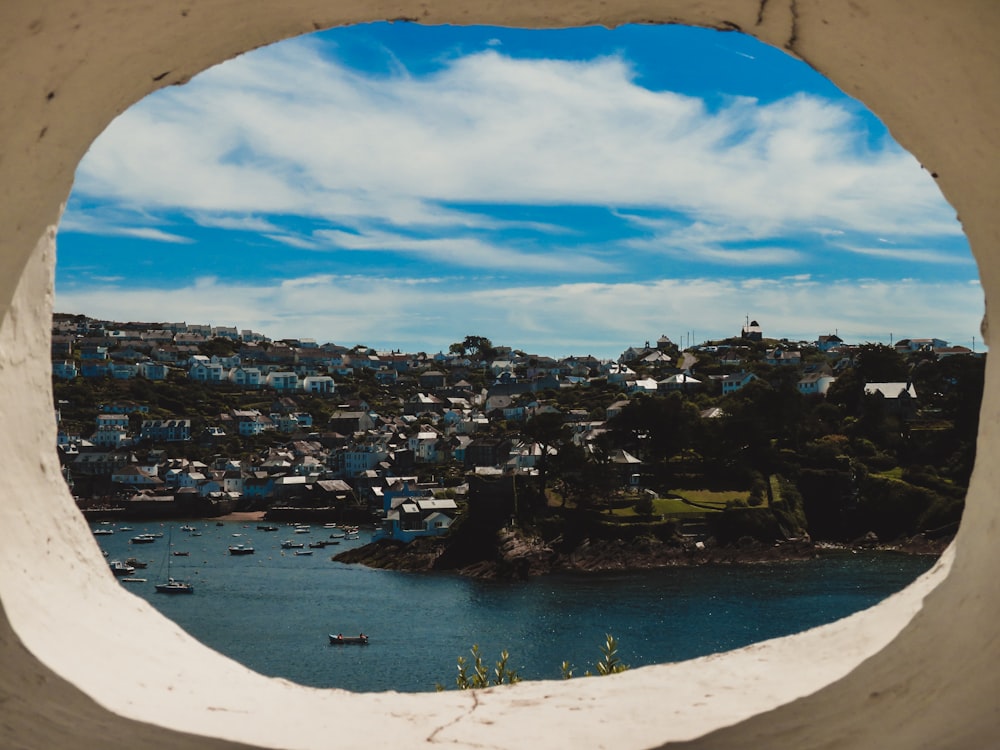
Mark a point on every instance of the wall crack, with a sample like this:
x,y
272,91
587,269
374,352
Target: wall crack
x,y
793,36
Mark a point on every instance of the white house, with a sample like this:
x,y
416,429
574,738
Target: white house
x,y
645,385
619,373
319,384
206,372
134,476
682,381
282,381
815,383
411,513
247,377
152,370
424,446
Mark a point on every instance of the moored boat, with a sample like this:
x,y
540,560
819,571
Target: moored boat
x,y
174,587
120,569
143,539
289,544
240,549
343,640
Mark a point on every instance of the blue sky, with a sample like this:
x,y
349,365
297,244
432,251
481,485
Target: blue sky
x,y
563,192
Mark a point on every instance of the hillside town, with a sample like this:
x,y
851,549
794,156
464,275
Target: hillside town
x,y
169,420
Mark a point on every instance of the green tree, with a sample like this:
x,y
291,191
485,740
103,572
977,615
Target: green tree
x,y
878,363
549,431
474,346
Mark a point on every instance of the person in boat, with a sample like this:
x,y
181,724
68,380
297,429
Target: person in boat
x,y
340,636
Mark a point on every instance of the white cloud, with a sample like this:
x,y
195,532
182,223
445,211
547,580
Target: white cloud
x,y
113,224
242,223
908,255
292,240
350,147
465,252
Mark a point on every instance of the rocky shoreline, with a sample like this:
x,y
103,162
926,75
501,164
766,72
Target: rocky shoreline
x,y
519,556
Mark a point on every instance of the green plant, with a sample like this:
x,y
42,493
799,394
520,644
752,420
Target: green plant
x,y
480,676
475,674
610,663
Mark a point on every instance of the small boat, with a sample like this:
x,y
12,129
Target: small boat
x,y
317,545
353,535
103,532
136,563
289,544
219,523
333,541
174,587
124,528
266,528
120,569
300,552
329,525
337,535
132,580
180,553
240,549
342,640
187,528
142,539
301,529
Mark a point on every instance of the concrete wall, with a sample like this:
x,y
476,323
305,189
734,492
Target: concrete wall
x,y
920,670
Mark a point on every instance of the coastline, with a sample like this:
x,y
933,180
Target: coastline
x,y
246,515
519,557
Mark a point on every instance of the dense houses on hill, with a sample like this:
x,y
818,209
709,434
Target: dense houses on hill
x,y
437,415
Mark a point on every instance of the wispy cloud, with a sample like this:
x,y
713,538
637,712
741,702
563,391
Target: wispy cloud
x,y
464,252
909,255
117,225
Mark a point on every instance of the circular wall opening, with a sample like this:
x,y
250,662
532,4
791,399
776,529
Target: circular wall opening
x,y
825,38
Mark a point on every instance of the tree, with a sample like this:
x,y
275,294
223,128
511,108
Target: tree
x,y
878,363
548,430
477,346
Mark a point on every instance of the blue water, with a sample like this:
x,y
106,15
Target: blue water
x,y
273,610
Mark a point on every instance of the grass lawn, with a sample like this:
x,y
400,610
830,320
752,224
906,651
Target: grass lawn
x,y
676,507
713,498
893,473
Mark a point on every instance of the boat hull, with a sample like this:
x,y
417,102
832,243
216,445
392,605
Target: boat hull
x,y
348,640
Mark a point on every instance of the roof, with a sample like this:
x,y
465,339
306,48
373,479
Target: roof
x,y
891,390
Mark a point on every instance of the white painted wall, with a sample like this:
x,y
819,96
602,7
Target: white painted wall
x,y
920,670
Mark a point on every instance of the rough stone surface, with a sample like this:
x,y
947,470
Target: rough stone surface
x,y
921,670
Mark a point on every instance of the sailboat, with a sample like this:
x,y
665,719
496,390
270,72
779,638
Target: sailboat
x,y
172,586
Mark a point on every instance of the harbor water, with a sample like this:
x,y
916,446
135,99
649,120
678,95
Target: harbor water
x,y
274,610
